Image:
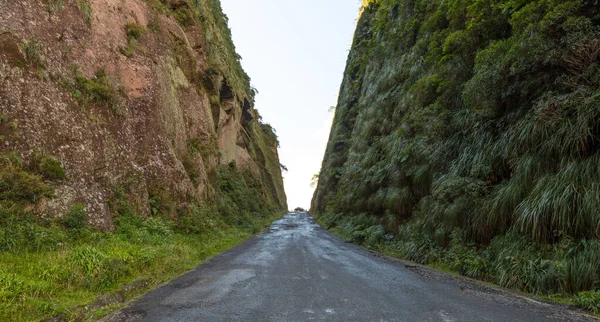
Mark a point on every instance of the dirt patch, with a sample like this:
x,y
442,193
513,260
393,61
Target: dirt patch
x,y
10,49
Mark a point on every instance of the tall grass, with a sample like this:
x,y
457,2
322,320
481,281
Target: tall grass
x,y
47,270
567,270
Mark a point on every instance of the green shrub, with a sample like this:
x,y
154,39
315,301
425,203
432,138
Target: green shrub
x,y
46,166
134,31
196,219
97,90
76,218
589,300
158,226
21,186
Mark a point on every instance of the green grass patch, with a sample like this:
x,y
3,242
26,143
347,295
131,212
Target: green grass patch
x,y
54,6
85,7
565,272
73,265
31,47
97,90
134,32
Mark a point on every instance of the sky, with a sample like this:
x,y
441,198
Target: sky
x,y
295,54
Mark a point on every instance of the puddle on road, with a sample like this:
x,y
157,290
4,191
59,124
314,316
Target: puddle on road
x,y
292,224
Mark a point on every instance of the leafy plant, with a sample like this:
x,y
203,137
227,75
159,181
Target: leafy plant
x,y
97,90
21,186
589,300
46,166
76,218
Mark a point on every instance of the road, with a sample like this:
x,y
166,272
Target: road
x,y
297,271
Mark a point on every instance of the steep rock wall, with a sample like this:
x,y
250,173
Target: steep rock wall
x,y
145,99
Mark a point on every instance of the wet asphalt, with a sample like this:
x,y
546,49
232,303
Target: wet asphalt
x,y
297,271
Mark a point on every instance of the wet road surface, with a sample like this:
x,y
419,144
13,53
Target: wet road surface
x,y
297,271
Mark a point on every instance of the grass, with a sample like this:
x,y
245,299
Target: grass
x,y
134,32
31,48
468,131
74,265
58,267
97,90
564,273
54,6
85,7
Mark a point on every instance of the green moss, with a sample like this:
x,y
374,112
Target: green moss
x,y
189,163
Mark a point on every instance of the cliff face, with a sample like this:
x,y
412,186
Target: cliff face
x,y
128,99
481,116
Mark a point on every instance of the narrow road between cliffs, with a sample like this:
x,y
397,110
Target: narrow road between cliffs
x,y
297,271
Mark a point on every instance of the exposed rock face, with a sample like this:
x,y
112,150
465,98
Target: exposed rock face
x,y
146,95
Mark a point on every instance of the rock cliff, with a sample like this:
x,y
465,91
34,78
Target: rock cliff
x,y
139,100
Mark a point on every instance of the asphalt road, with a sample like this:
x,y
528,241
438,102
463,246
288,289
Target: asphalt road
x,y
297,271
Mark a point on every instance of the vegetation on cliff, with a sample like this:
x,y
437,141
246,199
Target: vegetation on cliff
x,y
467,135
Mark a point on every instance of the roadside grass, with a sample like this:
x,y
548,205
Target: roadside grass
x,y
564,273
64,268
75,267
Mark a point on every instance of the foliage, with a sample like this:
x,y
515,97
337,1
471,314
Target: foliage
x,y
134,32
31,47
98,90
76,217
55,268
589,300
46,166
478,117
85,7
19,185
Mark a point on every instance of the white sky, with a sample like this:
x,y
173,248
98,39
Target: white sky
x,y
295,53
